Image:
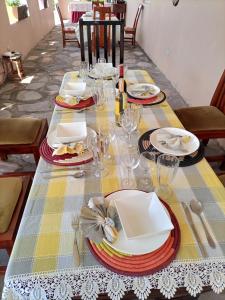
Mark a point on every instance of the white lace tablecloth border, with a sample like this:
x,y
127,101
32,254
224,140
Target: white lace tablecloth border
x,y
89,282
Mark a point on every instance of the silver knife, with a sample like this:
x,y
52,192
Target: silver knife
x,y
190,221
66,169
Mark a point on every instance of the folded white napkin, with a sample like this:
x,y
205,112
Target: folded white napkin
x,y
143,215
174,141
71,132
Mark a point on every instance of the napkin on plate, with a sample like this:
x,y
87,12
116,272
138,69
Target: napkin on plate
x,y
99,220
72,148
72,88
174,141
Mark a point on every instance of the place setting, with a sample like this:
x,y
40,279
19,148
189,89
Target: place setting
x,y
66,145
173,141
75,93
124,234
145,94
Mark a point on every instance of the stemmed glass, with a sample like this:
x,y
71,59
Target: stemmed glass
x,y
131,161
98,95
129,122
148,166
99,146
110,133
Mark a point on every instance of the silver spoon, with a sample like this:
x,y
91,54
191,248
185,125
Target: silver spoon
x,y
78,174
196,207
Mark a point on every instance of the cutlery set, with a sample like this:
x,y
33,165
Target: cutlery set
x,y
196,207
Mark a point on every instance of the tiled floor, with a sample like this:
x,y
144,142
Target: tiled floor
x,y
44,69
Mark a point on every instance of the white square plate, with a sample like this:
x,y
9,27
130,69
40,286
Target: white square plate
x,y
142,216
71,132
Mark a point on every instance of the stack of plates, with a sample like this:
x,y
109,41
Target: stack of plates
x,y
140,255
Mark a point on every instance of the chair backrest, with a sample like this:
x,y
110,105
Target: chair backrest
x,y
119,9
94,26
218,98
60,16
140,7
97,3
103,11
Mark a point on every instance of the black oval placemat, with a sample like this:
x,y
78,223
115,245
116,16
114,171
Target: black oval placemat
x,y
160,98
185,161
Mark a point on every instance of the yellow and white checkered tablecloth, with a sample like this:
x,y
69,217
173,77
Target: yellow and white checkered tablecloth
x,y
42,258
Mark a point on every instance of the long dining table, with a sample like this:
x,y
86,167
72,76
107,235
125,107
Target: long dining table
x,y
42,263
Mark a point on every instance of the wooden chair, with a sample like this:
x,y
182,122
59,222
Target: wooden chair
x,y
104,13
131,31
21,187
96,24
119,10
222,179
68,32
207,122
13,127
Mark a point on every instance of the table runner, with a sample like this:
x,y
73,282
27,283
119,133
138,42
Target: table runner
x,y
42,265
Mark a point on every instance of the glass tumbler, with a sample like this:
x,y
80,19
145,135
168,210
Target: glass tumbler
x,y
167,166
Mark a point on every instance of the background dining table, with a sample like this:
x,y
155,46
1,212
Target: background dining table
x,y
78,8
42,261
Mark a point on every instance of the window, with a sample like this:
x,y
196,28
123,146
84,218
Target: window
x,y
17,10
43,4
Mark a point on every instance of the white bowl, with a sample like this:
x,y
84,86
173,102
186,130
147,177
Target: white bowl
x,y
139,216
74,88
71,132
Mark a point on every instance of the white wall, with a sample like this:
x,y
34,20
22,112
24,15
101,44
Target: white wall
x,y
186,42
25,34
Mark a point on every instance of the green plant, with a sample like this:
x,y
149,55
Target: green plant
x,y
13,3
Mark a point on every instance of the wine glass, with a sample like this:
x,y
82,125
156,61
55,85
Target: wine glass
x,y
131,161
148,166
129,122
110,133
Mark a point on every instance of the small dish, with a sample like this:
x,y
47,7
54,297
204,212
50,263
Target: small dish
x,y
71,132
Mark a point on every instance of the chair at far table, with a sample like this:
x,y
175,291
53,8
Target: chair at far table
x,y
93,25
68,32
131,31
119,9
104,13
207,122
22,136
14,190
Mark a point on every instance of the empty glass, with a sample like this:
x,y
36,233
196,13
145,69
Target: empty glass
x,y
167,166
131,161
101,60
83,71
148,166
129,122
98,95
110,132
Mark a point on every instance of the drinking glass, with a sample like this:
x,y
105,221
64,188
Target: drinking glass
x,y
109,91
131,161
110,133
167,166
83,71
99,146
101,60
129,122
98,95
148,166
